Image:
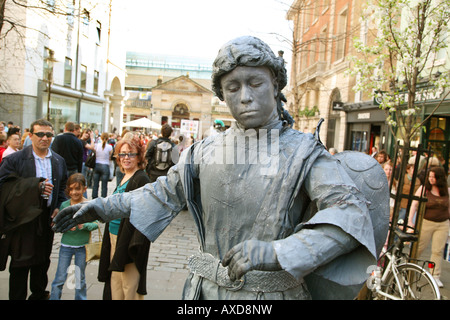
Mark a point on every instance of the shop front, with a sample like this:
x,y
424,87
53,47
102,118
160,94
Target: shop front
x,y
436,135
70,105
366,127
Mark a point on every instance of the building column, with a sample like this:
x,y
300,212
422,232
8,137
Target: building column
x,y
117,105
107,113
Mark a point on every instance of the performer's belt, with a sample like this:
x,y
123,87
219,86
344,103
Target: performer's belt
x,y
206,266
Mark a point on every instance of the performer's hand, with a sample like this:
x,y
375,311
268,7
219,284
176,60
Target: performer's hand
x,y
74,215
250,255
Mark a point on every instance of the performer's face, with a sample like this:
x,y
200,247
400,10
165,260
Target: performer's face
x,y
250,94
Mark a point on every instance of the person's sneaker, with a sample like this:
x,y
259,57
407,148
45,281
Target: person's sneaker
x,y
439,283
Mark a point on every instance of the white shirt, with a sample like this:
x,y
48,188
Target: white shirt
x,y
102,155
44,169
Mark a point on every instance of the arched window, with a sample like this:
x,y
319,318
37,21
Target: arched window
x,y
180,111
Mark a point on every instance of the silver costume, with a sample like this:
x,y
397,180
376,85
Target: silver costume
x,y
276,185
272,207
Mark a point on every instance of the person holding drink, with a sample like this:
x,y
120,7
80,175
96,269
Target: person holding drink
x,y
32,184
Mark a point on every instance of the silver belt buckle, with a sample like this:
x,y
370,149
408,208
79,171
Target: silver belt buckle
x,y
240,284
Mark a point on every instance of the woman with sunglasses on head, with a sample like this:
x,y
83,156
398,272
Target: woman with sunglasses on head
x,y
123,262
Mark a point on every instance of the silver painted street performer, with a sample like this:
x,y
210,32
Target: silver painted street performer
x,y
278,217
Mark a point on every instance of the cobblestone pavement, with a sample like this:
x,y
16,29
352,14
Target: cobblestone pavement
x,y
167,267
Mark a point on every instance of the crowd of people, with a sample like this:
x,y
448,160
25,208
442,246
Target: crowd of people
x,y
52,170
134,158
430,181
432,177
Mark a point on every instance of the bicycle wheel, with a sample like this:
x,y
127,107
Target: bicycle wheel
x,y
415,282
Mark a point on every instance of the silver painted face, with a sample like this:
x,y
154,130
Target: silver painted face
x,y
250,94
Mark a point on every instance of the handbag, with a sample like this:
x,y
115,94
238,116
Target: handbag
x,y
90,160
93,249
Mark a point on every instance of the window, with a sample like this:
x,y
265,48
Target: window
x,y
85,22
51,5
312,52
99,32
49,60
326,4
441,55
68,72
305,56
317,96
70,13
96,76
83,70
316,11
323,45
46,68
341,35
359,141
307,16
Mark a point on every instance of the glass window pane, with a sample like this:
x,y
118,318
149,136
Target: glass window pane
x,y
68,72
83,78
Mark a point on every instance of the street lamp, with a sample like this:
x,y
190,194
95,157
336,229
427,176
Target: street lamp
x,y
50,62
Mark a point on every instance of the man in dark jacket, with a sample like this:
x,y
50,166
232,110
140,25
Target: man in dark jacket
x,y
33,179
68,146
161,154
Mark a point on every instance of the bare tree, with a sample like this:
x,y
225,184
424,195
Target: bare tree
x,y
304,13
14,29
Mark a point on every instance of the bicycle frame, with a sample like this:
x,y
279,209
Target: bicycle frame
x,y
397,259
391,267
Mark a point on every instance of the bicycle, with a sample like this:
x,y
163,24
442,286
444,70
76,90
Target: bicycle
x,y
402,279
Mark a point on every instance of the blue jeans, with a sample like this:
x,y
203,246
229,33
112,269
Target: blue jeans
x,y
101,173
64,268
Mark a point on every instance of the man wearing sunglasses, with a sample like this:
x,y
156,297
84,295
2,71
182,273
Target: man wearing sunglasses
x,y
32,184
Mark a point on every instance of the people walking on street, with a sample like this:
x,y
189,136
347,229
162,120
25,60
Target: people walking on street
x,y
3,145
103,151
435,223
13,139
41,175
68,146
161,154
123,262
87,139
73,244
407,184
382,156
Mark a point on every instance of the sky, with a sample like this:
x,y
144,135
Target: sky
x,y
198,28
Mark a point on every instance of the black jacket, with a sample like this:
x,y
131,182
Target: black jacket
x,y
68,146
26,233
132,246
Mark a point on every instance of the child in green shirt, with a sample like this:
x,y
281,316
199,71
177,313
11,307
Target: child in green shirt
x,y
73,244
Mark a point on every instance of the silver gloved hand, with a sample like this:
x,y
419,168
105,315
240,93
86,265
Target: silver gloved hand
x,y
73,215
250,255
